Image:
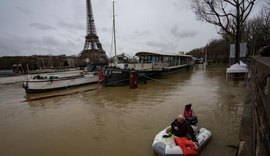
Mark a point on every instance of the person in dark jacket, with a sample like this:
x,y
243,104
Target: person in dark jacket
x,y
181,128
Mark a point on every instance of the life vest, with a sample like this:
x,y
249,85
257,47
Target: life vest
x,y
188,113
187,146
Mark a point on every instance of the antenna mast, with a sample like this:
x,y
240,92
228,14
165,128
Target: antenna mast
x,y
114,37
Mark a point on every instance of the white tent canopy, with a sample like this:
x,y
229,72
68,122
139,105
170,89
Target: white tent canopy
x,y
237,68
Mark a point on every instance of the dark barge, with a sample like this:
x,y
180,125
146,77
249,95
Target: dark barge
x,y
149,65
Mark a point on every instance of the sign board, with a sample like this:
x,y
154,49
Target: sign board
x,y
243,50
232,51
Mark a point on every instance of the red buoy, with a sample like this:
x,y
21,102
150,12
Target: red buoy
x,y
133,83
100,76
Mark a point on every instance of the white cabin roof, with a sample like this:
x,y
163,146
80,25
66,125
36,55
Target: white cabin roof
x,y
160,53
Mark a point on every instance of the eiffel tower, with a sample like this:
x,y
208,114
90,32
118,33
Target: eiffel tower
x,y
93,52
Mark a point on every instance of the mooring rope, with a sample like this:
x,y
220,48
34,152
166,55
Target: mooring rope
x,y
170,83
156,79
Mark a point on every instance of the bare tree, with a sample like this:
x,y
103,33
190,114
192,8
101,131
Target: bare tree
x,y
229,15
257,31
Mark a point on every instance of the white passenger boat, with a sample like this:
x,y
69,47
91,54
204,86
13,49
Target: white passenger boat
x,y
164,144
43,83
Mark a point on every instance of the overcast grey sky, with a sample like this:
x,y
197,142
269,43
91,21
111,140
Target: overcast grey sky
x,y
56,27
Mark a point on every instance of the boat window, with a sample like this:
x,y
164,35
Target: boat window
x,y
167,59
155,59
145,59
149,59
142,58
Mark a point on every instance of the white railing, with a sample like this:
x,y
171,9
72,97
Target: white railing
x,y
143,66
152,66
146,66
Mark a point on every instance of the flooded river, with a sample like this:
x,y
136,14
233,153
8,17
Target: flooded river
x,y
117,120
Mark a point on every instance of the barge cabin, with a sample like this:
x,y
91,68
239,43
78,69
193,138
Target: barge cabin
x,y
161,63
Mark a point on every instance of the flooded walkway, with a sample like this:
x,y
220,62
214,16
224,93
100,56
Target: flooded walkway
x,y
118,120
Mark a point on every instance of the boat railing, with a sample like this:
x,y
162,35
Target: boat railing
x,y
146,66
178,66
131,66
143,66
158,65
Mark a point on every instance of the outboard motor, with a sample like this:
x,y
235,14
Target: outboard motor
x,y
193,120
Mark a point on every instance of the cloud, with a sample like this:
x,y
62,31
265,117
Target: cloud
x,y
50,41
105,30
162,46
23,10
136,35
182,34
141,33
155,44
182,5
41,26
60,46
41,46
5,47
76,26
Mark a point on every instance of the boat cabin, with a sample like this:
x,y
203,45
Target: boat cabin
x,y
156,61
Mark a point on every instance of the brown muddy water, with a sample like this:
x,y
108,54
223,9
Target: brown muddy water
x,y
117,120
